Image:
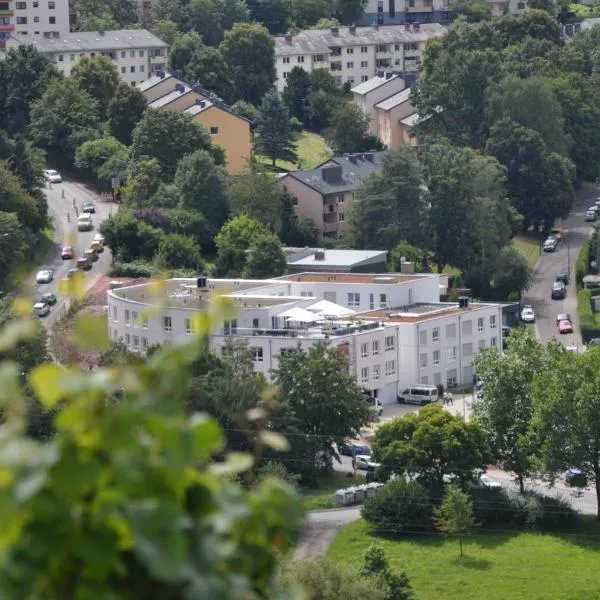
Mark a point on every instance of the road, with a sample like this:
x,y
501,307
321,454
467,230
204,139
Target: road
x,y
66,234
551,263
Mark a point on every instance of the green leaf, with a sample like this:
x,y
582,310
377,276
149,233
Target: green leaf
x,y
236,462
91,332
274,440
45,381
206,435
15,331
10,388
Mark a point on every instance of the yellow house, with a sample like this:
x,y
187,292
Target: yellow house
x,y
227,129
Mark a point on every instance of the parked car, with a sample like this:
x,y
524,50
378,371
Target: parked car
x,y
97,247
41,309
506,330
84,263
557,232
594,342
550,245
590,215
484,480
52,176
527,314
48,298
563,278
99,238
565,326
355,450
72,273
575,478
559,291
85,223
45,275
594,208
91,254
88,207
364,463
562,317
67,253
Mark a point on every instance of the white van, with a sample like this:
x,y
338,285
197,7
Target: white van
x,y
418,394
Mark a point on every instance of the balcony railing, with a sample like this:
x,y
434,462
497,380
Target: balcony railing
x,y
333,329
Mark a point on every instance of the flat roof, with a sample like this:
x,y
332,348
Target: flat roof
x,y
334,258
384,278
419,312
84,41
395,100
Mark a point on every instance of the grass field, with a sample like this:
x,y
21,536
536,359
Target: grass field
x,y
528,244
496,565
312,151
323,495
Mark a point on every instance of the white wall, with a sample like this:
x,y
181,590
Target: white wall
x,y
38,17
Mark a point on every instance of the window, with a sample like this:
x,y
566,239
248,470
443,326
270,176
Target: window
x,y
436,357
144,321
318,58
349,65
36,4
390,343
435,334
521,5
340,198
127,320
141,68
123,69
230,327
423,337
467,327
382,301
257,354
145,343
349,50
451,378
72,58
255,323
286,60
376,372
214,131
364,49
287,351
167,324
480,324
364,375
375,348
451,331
52,20
437,378
353,299
115,317
136,342
381,48
132,53
123,54
481,344
451,354
364,64
36,19
493,342
467,350
51,5
390,367
19,6
285,75
189,326
371,301
21,20
61,57
364,350
423,360
141,53
127,340
132,68
492,321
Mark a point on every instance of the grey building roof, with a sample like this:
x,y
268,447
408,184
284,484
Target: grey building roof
x,y
394,100
320,41
84,41
347,177
411,120
174,95
198,108
156,79
372,84
335,258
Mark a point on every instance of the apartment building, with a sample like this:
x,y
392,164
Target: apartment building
x,y
391,328
394,118
136,53
354,54
227,128
33,17
399,12
324,194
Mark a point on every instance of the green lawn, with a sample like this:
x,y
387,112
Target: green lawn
x,y
528,244
496,566
323,495
312,151
581,10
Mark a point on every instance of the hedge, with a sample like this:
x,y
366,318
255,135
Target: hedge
x,y
135,269
582,265
587,319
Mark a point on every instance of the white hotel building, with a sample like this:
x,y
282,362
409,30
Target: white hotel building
x,y
397,332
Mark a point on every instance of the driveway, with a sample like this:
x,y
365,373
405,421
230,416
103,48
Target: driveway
x,y
65,234
577,231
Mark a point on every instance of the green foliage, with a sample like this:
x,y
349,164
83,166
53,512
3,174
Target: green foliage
x,y
247,110
99,78
348,129
400,507
183,48
376,565
211,18
296,93
180,251
512,273
135,269
208,67
13,246
125,110
265,258
166,30
122,12
349,11
454,516
273,14
404,250
129,238
302,232
104,157
582,266
143,180
587,320
30,211
27,162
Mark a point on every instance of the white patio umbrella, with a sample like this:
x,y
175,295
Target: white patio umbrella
x,y
330,310
300,315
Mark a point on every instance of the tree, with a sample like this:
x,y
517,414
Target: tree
x,y
505,408
124,12
201,185
350,11
26,162
247,110
512,273
408,252
99,78
302,233
13,248
168,136
14,199
454,516
211,18
125,111
307,12
233,241
431,443
182,50
93,155
249,51
275,138
348,129
166,30
265,258
319,404
296,93
178,251
103,22
64,117
395,192
129,238
143,181
208,67
473,10
259,196
375,564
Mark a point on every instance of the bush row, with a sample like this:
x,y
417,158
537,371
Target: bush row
x,y
587,319
135,269
583,263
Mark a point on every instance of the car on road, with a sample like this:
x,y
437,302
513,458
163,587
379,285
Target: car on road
x,y
565,326
72,273
506,330
52,176
527,314
563,278
559,291
575,478
88,207
364,463
590,215
557,232
355,450
84,263
45,275
85,223
485,481
67,253
99,238
562,317
594,208
550,245
97,247
41,309
48,298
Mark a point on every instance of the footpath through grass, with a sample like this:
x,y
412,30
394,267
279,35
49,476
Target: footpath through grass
x,y
323,495
505,565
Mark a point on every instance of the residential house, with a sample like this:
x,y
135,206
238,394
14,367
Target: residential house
x,y
354,54
318,260
393,117
159,85
324,194
45,18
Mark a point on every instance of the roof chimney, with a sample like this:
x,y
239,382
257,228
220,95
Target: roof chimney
x,y
101,32
289,38
407,268
417,26
352,29
179,87
332,174
201,103
335,30
319,255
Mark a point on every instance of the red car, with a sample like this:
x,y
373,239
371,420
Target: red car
x,y
67,252
565,326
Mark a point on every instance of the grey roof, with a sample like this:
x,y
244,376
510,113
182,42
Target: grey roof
x,y
320,41
354,168
394,100
335,258
84,41
198,108
372,84
155,80
167,98
411,119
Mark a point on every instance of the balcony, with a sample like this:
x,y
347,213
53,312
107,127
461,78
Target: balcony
x,y
331,226
7,13
336,66
419,9
10,27
329,207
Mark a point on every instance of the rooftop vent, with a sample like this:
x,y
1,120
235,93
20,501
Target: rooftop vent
x,y
179,87
289,38
463,302
332,174
352,29
389,75
368,156
335,30
407,268
161,74
201,103
319,255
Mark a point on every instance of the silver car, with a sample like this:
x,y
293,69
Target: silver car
x,y
45,275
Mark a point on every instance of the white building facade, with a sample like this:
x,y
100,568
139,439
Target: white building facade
x,y
398,335
33,17
354,54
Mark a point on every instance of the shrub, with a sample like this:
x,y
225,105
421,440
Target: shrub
x,y
400,507
180,251
557,514
492,507
587,319
134,269
583,263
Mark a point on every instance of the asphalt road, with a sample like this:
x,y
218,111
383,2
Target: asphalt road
x,y
65,234
577,231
